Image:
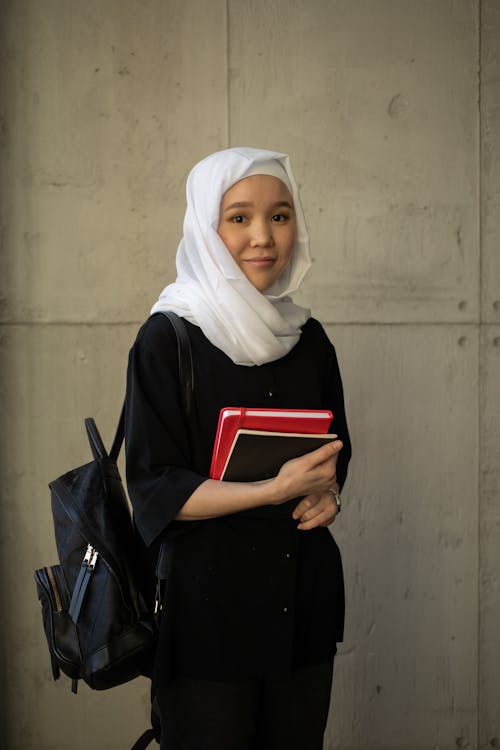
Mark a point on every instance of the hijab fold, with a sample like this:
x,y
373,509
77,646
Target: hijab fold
x,y
211,290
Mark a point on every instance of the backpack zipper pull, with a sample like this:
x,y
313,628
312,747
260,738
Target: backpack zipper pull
x,y
87,568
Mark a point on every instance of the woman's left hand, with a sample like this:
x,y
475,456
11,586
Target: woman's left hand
x,y
316,510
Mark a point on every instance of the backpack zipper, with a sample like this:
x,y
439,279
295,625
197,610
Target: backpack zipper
x,y
55,590
80,589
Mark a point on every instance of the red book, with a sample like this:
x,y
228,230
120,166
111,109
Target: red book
x,y
234,418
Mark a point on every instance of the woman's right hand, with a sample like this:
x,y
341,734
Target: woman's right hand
x,y
311,474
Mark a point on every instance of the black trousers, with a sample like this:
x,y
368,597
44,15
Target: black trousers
x,y
261,714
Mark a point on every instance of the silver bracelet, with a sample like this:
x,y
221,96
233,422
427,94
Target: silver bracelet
x,y
336,497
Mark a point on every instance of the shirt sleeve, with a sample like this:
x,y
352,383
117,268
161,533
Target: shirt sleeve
x,y
334,398
160,477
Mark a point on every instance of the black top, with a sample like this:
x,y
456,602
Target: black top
x,y
248,593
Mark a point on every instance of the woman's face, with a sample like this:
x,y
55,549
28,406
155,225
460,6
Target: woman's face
x,y
257,224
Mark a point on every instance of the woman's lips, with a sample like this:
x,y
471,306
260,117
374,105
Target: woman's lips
x,y
261,262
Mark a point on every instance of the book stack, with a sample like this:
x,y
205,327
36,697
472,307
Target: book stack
x,y
253,444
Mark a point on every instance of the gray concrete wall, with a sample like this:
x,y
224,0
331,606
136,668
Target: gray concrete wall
x,y
390,110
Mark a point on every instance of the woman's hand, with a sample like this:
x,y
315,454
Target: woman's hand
x,y
312,474
316,510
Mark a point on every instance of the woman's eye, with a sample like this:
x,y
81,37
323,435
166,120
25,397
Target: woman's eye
x,y
280,217
238,219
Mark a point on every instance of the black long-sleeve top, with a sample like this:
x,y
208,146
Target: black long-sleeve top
x,y
248,594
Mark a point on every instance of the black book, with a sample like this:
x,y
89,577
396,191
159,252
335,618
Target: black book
x,y
256,454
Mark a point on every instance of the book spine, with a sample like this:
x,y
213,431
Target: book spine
x,y
225,434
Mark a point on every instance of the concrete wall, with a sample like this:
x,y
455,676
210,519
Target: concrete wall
x,y
390,110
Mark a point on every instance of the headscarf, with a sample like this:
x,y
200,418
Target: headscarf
x,y
211,290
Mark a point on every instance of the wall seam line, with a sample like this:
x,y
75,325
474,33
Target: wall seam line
x,y
480,372
324,321
228,113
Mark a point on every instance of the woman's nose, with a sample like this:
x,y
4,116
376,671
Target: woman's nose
x,y
262,236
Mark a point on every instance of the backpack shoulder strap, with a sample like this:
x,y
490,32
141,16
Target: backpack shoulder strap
x,y
185,359
186,378
145,739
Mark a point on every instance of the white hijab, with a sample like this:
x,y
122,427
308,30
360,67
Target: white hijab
x,y
211,290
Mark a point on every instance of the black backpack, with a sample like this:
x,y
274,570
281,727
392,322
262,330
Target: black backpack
x,y
98,603
98,620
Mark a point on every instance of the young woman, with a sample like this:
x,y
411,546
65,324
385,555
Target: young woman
x,y
255,601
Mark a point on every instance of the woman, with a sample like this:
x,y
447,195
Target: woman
x,y
255,600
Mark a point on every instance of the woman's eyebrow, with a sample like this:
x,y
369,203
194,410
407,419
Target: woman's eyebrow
x,y
246,204
282,204
239,204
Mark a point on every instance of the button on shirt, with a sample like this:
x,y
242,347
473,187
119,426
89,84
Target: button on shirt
x,y
248,594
